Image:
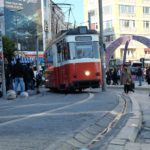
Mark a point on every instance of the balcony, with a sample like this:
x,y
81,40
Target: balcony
x,y
127,1
128,30
146,1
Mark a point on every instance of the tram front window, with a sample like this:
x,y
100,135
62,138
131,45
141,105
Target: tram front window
x,y
84,50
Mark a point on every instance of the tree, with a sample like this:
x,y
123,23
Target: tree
x,y
8,48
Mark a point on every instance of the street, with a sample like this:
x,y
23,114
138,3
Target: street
x,y
47,120
92,119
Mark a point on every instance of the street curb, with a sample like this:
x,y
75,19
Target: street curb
x,y
136,87
131,129
92,134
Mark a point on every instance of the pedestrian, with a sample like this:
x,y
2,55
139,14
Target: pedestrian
x,y
126,78
140,75
18,72
148,75
9,76
118,75
114,76
29,78
38,81
108,77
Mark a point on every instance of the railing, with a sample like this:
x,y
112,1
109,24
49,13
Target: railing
x,y
127,1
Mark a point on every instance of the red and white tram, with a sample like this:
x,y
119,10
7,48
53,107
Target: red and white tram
x,y
73,61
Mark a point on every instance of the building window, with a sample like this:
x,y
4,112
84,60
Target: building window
x,y
126,9
146,10
92,13
109,38
108,25
107,10
127,23
146,24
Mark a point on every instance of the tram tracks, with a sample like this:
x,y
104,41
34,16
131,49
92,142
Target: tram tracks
x,y
93,134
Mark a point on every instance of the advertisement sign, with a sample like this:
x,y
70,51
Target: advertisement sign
x,y
25,22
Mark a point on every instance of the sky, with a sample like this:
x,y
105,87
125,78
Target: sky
x,y
77,10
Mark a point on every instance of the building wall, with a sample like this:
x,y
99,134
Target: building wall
x,y
57,20
113,21
2,22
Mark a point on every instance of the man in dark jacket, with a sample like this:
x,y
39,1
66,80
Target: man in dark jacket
x,y
140,75
29,78
18,72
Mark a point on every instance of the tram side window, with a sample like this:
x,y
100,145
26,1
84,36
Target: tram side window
x,y
66,52
96,49
72,50
59,54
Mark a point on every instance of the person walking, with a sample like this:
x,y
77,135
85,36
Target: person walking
x,y
9,76
126,78
140,75
18,72
148,75
38,81
29,78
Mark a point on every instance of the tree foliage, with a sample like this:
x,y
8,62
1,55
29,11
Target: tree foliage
x,y
8,48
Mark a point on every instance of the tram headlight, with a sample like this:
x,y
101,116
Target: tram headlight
x,y
87,73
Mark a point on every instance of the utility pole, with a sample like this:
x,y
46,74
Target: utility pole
x,y
37,53
101,42
89,20
2,61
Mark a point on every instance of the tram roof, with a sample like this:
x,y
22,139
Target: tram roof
x,y
76,31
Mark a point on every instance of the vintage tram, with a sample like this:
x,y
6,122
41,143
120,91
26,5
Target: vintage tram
x,y
72,60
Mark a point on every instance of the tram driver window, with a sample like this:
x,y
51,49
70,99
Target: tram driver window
x,y
84,50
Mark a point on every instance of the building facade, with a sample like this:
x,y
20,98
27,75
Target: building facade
x,y
29,21
122,17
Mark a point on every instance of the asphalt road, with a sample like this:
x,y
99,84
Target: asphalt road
x,y
41,122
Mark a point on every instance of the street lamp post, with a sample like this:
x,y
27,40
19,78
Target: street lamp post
x,y
3,63
101,42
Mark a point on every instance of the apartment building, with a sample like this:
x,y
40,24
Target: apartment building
x,y
122,17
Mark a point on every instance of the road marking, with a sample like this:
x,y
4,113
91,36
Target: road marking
x,y
47,112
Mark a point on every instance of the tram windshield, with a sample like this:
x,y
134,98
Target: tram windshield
x,y
84,50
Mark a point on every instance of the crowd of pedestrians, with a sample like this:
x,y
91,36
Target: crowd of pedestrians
x,y
113,76
123,75
22,78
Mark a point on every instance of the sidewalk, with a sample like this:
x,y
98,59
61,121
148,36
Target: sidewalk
x,y
134,135
144,86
